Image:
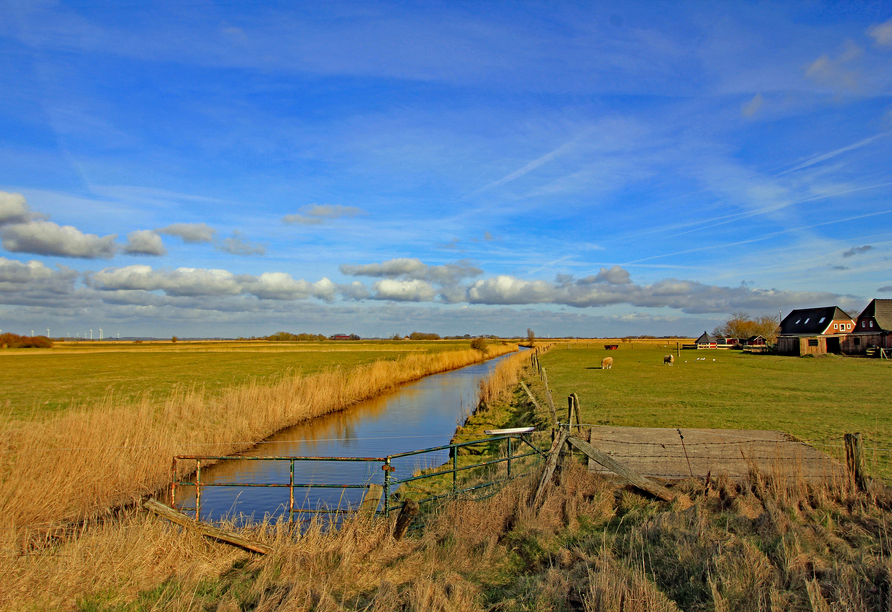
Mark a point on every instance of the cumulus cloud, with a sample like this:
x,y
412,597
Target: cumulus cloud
x,y
14,209
684,295
281,286
182,281
236,245
882,33
614,275
319,213
415,269
191,233
144,242
403,290
33,283
48,238
857,250
749,109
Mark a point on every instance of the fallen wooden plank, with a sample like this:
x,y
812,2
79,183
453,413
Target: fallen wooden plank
x,y
631,476
550,465
179,518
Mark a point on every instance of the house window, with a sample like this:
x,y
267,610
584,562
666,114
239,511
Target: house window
x,y
806,321
871,323
822,319
863,324
813,342
835,325
857,341
797,321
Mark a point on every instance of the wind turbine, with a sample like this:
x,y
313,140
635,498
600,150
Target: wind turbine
x,y
100,333
91,334
47,332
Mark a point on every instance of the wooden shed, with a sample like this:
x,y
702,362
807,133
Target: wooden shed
x,y
814,331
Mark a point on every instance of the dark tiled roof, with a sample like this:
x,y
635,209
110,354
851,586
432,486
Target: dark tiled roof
x,y
811,320
881,310
706,339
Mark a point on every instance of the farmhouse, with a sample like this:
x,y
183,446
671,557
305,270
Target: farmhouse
x,y
710,342
814,331
873,329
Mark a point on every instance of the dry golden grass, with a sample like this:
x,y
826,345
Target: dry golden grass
x,y
86,462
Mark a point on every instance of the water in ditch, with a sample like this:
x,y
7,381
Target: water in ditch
x,y
419,415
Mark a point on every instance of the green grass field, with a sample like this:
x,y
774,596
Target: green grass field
x,y
815,399
46,380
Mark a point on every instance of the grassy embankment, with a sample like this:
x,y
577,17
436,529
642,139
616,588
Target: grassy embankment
x,y
95,456
739,546
815,399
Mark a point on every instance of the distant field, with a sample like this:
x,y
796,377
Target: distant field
x,y
50,379
814,399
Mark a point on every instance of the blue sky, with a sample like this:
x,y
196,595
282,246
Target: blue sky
x,y
226,168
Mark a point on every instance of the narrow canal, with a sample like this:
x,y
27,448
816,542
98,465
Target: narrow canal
x,y
419,415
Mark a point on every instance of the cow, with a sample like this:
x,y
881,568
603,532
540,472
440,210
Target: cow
x,y
607,363
669,360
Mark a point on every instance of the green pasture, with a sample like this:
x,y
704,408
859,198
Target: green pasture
x,y
814,399
46,380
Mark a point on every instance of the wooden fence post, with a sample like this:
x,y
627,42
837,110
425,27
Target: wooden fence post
x,y
855,460
407,513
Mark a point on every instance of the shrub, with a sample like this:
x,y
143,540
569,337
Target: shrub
x,y
479,344
16,341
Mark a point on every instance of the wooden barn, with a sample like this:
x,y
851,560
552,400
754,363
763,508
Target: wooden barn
x,y
814,331
873,329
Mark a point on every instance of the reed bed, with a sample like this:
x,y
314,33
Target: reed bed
x,y
91,460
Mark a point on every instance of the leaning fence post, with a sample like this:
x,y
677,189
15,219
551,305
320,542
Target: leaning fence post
x,y
855,460
198,490
407,513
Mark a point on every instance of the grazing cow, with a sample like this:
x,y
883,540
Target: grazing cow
x,y
669,359
607,363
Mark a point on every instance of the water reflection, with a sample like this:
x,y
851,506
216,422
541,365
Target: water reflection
x,y
419,415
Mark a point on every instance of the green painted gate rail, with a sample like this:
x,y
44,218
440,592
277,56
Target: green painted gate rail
x,y
512,458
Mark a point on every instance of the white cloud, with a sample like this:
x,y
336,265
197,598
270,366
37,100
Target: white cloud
x,y
144,242
614,275
191,233
882,33
34,284
182,281
14,208
749,109
48,238
281,286
12,271
403,290
236,245
415,269
319,213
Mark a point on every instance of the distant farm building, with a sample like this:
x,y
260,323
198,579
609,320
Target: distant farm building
x,y
814,331
707,341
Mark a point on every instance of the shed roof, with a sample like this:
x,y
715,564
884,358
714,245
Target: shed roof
x,y
805,321
881,311
706,339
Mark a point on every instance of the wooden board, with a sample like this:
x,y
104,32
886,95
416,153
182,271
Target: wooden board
x,y
659,453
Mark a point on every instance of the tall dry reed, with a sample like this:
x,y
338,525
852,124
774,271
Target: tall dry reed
x,y
92,459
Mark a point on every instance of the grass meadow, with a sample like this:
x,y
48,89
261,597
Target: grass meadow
x,y
38,381
815,399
